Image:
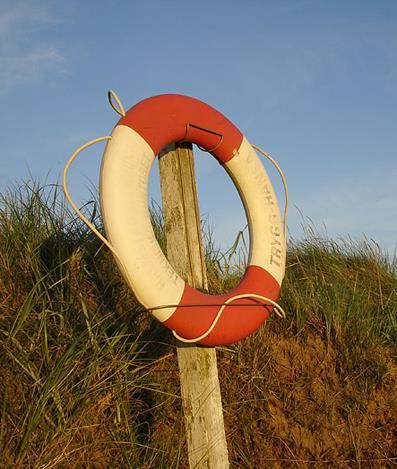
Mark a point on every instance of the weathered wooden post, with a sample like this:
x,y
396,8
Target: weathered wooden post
x,y
200,390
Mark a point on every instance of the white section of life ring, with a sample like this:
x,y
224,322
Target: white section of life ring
x,y
124,205
267,244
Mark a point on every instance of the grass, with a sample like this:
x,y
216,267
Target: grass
x,y
89,380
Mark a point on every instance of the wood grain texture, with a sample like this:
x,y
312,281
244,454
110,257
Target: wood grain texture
x,y
200,389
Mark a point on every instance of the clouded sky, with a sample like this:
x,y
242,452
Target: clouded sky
x,y
313,82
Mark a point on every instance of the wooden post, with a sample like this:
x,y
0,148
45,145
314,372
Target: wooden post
x,y
201,396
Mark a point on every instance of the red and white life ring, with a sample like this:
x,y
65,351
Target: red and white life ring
x,y
138,137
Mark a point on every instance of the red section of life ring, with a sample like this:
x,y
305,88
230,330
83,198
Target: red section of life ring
x,y
170,118
236,322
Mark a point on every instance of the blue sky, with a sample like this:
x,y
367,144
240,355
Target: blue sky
x,y
312,82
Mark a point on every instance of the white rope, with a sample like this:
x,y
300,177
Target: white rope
x,y
120,110
277,308
70,200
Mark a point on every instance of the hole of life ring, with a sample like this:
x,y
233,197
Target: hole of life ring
x,y
224,226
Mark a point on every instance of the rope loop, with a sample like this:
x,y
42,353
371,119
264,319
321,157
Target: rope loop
x,y
113,96
70,200
277,309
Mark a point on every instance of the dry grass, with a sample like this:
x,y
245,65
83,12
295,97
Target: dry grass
x,y
89,380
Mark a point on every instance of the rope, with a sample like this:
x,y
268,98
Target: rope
x,y
277,308
120,110
70,200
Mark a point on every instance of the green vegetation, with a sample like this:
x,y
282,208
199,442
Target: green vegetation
x,y
90,380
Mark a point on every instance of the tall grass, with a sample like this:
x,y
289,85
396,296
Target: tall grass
x,y
68,349
88,379
350,285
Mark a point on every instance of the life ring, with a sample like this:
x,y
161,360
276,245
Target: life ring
x,y
138,137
